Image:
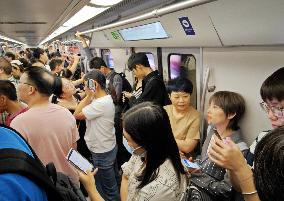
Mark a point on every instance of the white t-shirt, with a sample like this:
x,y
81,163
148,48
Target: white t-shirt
x,y
100,132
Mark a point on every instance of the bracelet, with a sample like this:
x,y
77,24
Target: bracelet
x,y
250,193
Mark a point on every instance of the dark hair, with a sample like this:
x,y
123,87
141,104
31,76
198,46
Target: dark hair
x,y
268,166
149,126
43,80
231,103
54,54
28,54
8,89
180,84
96,63
16,66
22,52
97,76
66,73
136,59
273,86
6,66
55,62
11,55
37,52
25,62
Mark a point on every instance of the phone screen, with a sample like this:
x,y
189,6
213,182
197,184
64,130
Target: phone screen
x,y
91,85
190,164
81,163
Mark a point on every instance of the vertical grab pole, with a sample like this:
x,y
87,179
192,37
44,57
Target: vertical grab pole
x,y
202,106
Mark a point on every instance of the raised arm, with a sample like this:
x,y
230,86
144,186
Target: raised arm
x,y
228,155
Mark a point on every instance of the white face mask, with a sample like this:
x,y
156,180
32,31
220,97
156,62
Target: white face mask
x,y
128,148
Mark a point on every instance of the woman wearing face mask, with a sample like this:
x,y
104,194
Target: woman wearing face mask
x,y
154,172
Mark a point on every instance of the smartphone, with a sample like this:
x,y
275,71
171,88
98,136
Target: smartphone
x,y
190,164
78,161
217,134
91,85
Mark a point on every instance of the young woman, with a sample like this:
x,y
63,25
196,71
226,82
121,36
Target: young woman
x,y
225,110
68,98
154,171
40,58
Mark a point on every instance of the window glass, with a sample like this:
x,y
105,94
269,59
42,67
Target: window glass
x,y
107,57
151,60
183,65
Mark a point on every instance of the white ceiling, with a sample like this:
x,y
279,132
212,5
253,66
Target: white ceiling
x,y
30,21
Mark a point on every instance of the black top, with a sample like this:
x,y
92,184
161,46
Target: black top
x,y
153,89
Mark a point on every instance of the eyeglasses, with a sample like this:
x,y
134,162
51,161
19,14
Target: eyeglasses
x,y
25,83
277,111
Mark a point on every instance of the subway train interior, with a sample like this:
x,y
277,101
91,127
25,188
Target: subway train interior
x,y
222,45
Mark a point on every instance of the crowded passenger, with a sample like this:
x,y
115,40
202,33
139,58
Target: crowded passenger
x,y
6,71
17,69
53,143
229,156
25,62
98,110
136,91
224,113
69,99
10,56
40,58
114,86
56,66
9,102
183,117
153,87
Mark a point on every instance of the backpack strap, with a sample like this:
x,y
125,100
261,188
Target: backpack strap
x,y
19,162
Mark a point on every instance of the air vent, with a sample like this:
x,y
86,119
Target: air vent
x,y
23,22
25,32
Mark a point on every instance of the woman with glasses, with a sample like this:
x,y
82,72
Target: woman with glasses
x,y
229,156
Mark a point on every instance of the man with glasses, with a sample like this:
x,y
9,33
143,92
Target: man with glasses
x,y
50,129
272,94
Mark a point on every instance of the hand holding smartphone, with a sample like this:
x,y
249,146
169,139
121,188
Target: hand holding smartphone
x,y
190,164
78,161
91,85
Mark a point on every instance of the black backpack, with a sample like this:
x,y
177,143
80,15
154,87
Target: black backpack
x,y
125,87
57,186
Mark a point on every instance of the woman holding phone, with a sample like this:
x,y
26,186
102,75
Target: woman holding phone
x,y
225,110
154,171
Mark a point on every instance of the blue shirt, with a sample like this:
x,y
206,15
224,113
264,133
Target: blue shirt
x,y
15,187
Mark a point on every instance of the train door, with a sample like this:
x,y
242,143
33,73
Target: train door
x,y
186,63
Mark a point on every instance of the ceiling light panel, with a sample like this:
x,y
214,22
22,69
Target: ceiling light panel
x,y
104,2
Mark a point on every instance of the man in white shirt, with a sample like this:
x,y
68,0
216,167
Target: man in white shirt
x,y
98,110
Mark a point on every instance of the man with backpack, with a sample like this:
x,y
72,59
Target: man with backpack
x,y
50,129
115,84
14,186
24,177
